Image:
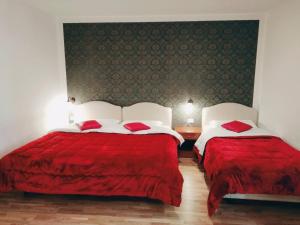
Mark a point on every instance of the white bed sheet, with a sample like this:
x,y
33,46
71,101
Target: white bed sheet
x,y
119,129
219,131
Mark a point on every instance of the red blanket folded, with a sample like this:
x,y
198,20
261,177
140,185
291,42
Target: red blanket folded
x,y
96,164
250,165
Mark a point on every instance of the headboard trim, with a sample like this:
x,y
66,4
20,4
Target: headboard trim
x,y
148,111
228,111
97,110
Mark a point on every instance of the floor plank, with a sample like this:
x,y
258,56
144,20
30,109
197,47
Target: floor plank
x,y
31,209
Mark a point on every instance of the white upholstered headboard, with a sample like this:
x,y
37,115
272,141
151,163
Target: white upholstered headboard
x,y
97,110
148,111
228,111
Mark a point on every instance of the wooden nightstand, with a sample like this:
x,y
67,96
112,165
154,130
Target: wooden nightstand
x,y
190,135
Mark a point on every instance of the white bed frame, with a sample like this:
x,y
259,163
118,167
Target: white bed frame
x,y
148,111
139,111
234,111
97,109
228,111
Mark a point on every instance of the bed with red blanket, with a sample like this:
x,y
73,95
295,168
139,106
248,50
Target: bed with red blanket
x,y
242,160
252,162
95,163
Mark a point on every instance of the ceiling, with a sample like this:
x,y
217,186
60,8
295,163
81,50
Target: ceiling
x,y
91,8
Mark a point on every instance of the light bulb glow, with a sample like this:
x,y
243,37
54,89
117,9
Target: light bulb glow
x,y
189,108
56,112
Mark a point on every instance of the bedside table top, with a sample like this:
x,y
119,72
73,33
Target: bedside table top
x,y
185,129
189,133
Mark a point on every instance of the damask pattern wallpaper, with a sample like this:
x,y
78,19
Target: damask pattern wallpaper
x,y
166,63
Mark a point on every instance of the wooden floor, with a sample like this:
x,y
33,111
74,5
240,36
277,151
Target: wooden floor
x,y
29,209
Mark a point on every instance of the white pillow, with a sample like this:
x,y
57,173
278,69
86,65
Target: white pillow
x,y
218,123
147,122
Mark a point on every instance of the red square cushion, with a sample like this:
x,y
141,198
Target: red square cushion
x,y
136,126
89,124
236,126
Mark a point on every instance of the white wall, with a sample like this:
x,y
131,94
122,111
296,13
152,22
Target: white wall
x,y
280,87
29,78
154,8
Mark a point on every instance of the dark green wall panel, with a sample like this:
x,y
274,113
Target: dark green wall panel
x,y
166,63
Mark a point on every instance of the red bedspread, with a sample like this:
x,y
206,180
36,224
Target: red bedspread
x,y
250,165
96,164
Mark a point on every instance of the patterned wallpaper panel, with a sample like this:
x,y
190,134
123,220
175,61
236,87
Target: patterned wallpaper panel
x,y
166,63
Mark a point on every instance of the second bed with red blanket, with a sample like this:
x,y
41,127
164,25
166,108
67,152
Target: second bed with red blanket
x,y
102,164
249,165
